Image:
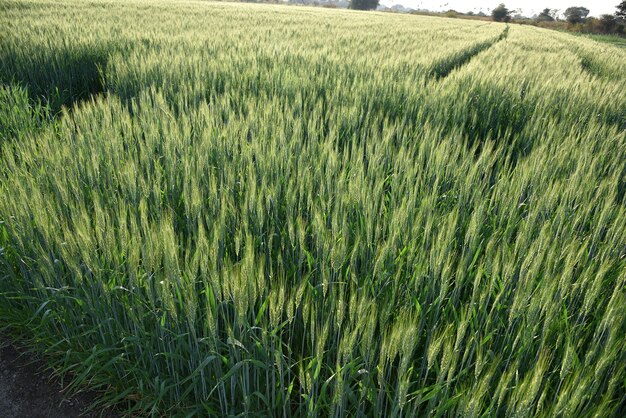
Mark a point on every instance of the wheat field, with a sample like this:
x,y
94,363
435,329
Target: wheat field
x,y
216,209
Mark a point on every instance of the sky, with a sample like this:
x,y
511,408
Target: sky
x,y
529,7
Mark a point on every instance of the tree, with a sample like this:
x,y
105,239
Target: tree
x,y
363,4
555,14
621,10
576,14
608,24
545,16
501,13
517,14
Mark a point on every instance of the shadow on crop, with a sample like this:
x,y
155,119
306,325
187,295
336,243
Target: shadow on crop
x,y
56,78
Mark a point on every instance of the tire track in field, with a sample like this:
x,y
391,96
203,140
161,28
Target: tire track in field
x,y
444,67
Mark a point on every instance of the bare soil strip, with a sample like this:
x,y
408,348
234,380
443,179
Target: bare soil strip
x,y
28,391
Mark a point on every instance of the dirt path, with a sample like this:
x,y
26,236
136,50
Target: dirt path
x,y
26,391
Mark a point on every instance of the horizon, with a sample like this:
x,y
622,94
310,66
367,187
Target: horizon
x,y
528,8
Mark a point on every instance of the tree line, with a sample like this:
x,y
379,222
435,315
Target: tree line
x,y
574,18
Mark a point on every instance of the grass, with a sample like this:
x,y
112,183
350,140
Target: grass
x,y
225,209
610,39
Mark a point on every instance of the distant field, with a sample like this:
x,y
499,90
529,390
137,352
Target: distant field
x,y
615,40
212,209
